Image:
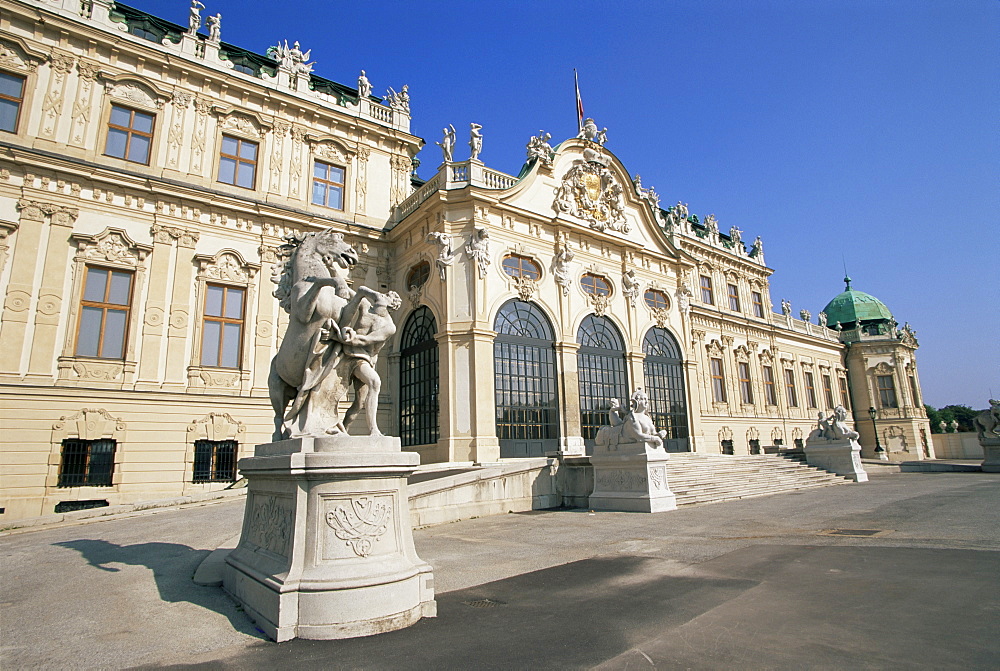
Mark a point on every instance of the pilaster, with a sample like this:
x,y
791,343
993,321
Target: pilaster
x,y
156,307
17,300
179,325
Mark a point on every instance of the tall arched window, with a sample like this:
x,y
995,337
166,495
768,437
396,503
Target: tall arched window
x,y
602,372
663,371
524,364
418,380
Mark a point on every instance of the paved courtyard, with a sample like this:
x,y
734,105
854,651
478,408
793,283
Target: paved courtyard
x,y
900,572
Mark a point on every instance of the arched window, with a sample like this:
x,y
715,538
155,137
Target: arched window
x,y
418,380
595,284
418,275
524,364
601,368
663,371
656,299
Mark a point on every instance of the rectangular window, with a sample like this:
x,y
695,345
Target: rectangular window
x,y
87,463
793,397
215,460
718,382
104,313
222,332
886,391
734,297
706,290
913,390
130,134
746,391
828,390
238,162
845,399
758,304
11,97
328,185
810,389
769,394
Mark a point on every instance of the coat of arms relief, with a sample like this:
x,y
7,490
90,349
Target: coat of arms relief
x,y
590,191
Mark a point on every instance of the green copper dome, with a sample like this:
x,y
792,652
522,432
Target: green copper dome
x,y
854,308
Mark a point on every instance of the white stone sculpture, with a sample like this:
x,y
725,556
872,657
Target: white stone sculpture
x,y
447,144
194,17
592,133
478,249
332,341
591,191
821,318
987,423
786,307
630,425
291,58
683,296
648,194
214,24
805,315
757,248
834,427
540,149
399,101
560,264
364,86
712,224
475,141
833,446
446,255
630,286
736,236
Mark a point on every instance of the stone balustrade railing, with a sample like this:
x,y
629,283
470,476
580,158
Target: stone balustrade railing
x,y
455,176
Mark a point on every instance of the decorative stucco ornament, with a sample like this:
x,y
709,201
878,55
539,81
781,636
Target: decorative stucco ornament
x,y
540,149
591,191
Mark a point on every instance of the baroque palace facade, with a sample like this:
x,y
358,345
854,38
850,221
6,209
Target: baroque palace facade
x,y
148,176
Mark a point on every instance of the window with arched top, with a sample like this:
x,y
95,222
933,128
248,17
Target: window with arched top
x,y
418,275
602,373
516,265
663,373
596,285
524,360
418,380
656,299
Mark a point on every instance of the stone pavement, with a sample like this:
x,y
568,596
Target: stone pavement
x,y
899,572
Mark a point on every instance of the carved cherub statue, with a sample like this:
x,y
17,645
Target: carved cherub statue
x,y
630,426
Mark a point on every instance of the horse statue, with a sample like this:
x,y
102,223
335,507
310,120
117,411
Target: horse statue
x,y
987,423
313,292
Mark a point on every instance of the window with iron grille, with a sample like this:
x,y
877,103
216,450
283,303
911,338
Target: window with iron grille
x,y
418,380
516,265
130,134
728,447
707,296
215,460
328,185
524,361
238,162
746,388
663,373
104,313
845,398
793,397
758,304
886,391
87,463
601,371
755,446
810,389
734,297
769,394
222,326
11,99
718,381
828,390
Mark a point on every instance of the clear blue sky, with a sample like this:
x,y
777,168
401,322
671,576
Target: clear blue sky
x,y
862,132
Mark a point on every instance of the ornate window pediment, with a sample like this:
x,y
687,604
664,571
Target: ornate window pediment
x,y
329,149
742,353
15,55
714,348
226,266
112,246
216,426
134,92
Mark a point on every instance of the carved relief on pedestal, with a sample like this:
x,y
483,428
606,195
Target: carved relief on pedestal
x,y
269,522
621,480
94,371
361,522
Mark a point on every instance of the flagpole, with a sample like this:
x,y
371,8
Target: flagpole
x,y
579,102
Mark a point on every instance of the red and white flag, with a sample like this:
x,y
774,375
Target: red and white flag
x,y
579,102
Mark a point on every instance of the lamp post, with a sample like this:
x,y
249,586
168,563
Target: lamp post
x,y
879,452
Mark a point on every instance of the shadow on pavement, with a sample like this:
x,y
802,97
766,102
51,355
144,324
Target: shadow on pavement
x,y
172,565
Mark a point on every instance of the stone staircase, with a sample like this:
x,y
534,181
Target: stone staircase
x,y
709,478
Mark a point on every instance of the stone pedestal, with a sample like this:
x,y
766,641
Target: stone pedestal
x,y
842,457
631,477
327,548
991,452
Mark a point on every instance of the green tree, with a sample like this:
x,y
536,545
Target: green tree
x,y
963,413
